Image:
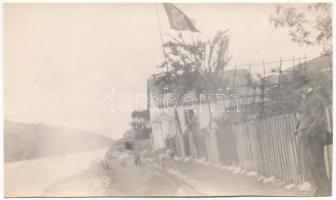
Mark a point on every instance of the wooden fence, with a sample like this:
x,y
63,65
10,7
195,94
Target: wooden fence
x,y
271,148
268,146
188,144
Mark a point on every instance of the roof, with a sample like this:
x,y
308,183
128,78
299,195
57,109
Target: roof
x,y
236,77
238,80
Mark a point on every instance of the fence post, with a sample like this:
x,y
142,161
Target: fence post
x,y
276,148
284,133
267,148
271,145
281,149
290,128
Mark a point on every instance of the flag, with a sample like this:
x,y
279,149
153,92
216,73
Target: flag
x,y
177,19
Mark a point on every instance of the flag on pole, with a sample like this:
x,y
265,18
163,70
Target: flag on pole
x,y
177,19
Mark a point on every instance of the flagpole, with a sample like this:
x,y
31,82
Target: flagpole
x,y
159,25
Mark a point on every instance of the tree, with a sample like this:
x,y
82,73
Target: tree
x,y
286,99
195,65
191,62
308,24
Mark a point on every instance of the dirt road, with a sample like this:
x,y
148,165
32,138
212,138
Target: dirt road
x,y
177,179
73,175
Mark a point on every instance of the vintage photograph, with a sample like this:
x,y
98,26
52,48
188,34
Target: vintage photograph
x,y
167,99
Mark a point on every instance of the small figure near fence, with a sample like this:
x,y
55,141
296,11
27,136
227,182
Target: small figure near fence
x,y
165,157
128,145
137,160
312,131
129,156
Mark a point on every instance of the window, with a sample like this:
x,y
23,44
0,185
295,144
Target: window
x,y
188,115
167,90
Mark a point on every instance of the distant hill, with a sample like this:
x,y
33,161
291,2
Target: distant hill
x,y
30,141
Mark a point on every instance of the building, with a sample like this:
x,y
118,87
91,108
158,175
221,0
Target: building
x,y
170,117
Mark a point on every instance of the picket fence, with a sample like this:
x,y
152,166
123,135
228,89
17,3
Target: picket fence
x,y
267,146
271,148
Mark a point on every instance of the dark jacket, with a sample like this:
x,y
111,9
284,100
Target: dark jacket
x,y
312,115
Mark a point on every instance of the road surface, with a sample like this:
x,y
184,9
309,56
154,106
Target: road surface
x,y
71,176
176,179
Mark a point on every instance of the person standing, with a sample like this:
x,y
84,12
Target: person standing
x,y
128,146
312,131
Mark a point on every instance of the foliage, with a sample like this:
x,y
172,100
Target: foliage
x,y
322,83
195,65
287,98
140,123
308,24
144,114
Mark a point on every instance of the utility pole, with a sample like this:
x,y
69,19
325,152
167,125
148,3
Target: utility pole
x,y
248,89
263,92
233,86
305,65
293,67
161,37
279,79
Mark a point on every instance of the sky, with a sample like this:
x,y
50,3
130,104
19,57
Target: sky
x,y
85,65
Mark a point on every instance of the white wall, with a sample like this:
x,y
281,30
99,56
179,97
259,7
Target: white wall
x,y
201,111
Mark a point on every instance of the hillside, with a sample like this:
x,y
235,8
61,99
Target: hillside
x,y
315,73
31,141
